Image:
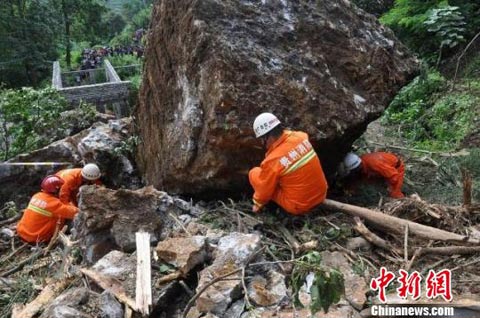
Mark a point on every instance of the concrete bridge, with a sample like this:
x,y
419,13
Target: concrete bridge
x,y
112,93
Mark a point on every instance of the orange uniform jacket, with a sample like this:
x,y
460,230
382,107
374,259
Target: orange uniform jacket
x,y
387,166
290,175
41,216
73,181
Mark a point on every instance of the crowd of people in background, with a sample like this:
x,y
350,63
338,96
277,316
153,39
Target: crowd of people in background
x,y
93,58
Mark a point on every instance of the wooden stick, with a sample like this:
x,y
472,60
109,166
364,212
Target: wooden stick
x,y
110,284
460,153
467,187
143,293
54,238
11,220
370,236
179,223
416,254
6,258
48,293
405,245
290,238
245,290
168,278
461,56
22,264
451,250
396,225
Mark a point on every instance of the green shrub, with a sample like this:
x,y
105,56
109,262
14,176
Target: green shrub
x,y
25,116
30,119
416,94
448,121
430,26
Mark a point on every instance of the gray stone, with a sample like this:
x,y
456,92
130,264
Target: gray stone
x,y
115,216
236,309
358,244
97,94
355,285
232,252
333,312
122,268
110,307
64,305
96,144
323,67
66,312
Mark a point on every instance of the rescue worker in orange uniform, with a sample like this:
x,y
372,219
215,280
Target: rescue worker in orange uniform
x,y
291,174
75,178
44,213
377,165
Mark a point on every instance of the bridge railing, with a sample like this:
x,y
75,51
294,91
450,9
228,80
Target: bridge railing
x,y
101,87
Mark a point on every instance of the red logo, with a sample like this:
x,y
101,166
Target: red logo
x,y
436,284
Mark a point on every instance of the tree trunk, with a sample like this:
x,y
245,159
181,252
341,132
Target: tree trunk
x,y
397,225
68,44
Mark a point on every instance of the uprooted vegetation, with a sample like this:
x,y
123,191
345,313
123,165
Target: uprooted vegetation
x,y
220,258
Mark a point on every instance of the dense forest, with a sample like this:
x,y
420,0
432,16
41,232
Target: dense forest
x,y
33,34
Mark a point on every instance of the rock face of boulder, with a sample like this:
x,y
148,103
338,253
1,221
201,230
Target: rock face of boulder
x,y
323,67
109,219
102,143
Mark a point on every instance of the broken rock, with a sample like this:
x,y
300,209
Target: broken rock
x,y
110,307
333,312
355,285
183,253
121,268
108,219
267,292
358,244
67,303
231,254
99,144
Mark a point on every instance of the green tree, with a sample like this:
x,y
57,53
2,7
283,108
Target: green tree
x,y
26,116
415,21
28,33
82,20
448,26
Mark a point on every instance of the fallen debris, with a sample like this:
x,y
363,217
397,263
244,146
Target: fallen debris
x,y
397,225
46,296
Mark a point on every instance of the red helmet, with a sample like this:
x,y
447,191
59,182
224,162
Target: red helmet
x,y
51,184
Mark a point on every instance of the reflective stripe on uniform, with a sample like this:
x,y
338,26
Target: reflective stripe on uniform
x,y
257,203
300,163
40,210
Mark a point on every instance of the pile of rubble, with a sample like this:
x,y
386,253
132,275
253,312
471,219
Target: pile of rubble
x,y
217,260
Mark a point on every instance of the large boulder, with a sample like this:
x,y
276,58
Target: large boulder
x,y
211,66
103,143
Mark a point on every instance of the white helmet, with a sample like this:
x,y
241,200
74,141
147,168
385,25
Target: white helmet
x,y
264,123
91,172
351,161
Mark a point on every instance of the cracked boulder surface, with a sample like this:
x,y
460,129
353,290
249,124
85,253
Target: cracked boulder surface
x,y
324,67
